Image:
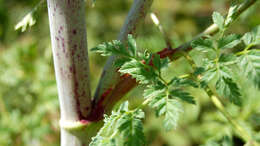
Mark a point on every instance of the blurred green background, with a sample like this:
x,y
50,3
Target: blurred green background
x,y
29,108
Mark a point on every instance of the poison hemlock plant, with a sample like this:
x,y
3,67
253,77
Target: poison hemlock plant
x,y
166,97
125,126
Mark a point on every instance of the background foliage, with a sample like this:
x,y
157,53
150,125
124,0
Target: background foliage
x,y
29,109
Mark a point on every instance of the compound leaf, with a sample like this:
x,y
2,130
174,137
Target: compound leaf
x,y
250,66
253,37
173,109
131,127
202,44
229,41
185,96
226,87
141,72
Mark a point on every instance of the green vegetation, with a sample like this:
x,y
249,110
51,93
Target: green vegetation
x,y
210,96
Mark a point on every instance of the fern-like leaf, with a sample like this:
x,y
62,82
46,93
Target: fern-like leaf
x,y
250,66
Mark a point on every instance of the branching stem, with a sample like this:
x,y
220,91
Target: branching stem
x,y
126,83
217,102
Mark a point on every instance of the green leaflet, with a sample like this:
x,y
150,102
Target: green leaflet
x,y
172,114
154,91
229,41
227,59
219,20
108,48
104,137
164,106
250,66
185,96
209,75
121,125
117,48
203,45
252,38
167,103
131,127
182,82
141,72
157,95
226,87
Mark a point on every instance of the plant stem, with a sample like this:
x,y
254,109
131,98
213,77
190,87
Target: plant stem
x,y
110,77
126,83
69,47
239,129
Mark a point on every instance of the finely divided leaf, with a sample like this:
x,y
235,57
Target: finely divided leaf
x,y
121,125
202,44
227,59
185,96
229,41
173,109
108,48
170,108
224,58
182,82
226,87
154,91
209,75
131,126
248,38
253,37
250,66
103,136
219,20
117,48
141,72
159,102
224,71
